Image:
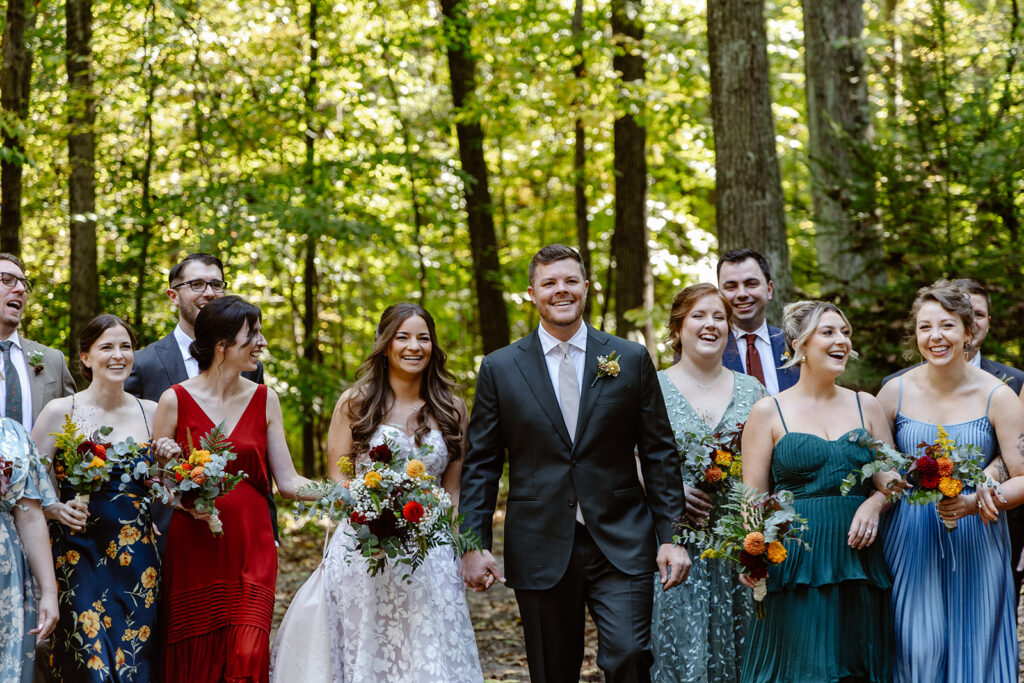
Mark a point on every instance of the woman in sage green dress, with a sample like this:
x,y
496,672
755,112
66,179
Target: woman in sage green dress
x,y
698,627
827,615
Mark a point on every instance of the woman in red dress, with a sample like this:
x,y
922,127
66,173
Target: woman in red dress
x,y
219,591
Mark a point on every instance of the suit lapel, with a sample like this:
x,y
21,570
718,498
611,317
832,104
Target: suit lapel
x,y
170,357
534,369
597,345
36,383
731,357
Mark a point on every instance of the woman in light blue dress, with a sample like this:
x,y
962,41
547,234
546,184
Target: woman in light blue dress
x,y
952,597
24,553
698,627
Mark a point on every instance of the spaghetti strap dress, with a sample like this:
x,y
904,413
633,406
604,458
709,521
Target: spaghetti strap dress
x,y
952,595
219,591
827,615
108,577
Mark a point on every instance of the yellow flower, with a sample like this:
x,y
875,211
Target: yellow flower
x,y
345,465
943,439
753,543
149,577
372,479
98,462
97,646
98,606
150,598
90,623
106,621
143,633
200,457
950,487
710,553
112,550
95,663
775,552
128,535
119,659
736,468
415,469
129,634
613,368
723,458
125,559
72,557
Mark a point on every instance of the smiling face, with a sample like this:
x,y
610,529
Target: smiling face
x,y
188,302
410,348
12,300
705,328
110,357
559,291
829,346
748,290
940,334
243,354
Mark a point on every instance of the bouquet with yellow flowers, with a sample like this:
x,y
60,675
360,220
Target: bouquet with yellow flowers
x,y
394,509
81,463
200,478
752,531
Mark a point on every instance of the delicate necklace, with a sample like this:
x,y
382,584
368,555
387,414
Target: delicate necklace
x,y
702,388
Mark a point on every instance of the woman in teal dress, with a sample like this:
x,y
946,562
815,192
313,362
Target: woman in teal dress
x,y
104,555
952,595
698,627
827,615
24,554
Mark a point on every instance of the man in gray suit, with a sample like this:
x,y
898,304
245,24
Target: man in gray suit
x,y
193,283
33,374
581,528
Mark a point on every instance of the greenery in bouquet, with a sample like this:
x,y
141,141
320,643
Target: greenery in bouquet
x,y
937,470
395,510
751,532
200,478
82,463
713,461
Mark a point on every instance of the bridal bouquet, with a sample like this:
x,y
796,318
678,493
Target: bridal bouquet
x,y
82,463
713,461
395,510
751,531
199,478
936,471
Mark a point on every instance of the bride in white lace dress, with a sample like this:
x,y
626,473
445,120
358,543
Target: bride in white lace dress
x,y
397,626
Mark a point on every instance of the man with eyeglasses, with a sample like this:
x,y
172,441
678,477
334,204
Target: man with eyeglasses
x,y
32,374
193,283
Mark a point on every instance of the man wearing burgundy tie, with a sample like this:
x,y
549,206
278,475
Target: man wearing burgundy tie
x,y
754,346
33,374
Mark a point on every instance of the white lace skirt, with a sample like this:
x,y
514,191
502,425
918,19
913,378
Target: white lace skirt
x,y
389,630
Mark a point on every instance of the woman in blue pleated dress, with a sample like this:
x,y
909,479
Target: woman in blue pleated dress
x,y
952,597
827,613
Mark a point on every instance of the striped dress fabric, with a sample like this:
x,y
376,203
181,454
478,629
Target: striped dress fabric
x,y
952,596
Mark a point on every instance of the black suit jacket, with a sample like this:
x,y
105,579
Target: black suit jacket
x,y
787,377
515,409
160,365
1010,376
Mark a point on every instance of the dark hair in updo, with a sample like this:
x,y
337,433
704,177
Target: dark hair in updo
x,y
219,321
93,330
954,299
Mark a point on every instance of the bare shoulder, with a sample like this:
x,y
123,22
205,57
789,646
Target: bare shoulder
x,y
57,408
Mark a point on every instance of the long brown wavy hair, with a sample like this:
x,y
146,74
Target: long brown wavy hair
x,y
372,397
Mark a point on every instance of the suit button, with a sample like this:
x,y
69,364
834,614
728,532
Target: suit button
x,y
572,502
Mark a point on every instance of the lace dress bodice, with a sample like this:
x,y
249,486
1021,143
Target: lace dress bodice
x,y
432,451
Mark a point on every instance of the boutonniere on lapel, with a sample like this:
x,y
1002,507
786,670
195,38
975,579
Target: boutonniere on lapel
x,y
35,359
607,366
784,358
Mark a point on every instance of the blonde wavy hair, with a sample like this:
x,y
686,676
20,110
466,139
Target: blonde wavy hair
x,y
799,320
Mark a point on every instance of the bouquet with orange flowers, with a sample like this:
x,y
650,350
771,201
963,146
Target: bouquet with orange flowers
x,y
712,461
752,531
82,463
936,471
199,478
394,509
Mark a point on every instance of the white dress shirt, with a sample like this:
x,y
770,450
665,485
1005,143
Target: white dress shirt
x,y
184,341
21,365
764,349
976,361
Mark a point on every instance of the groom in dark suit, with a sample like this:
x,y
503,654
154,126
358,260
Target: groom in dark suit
x,y
754,347
575,408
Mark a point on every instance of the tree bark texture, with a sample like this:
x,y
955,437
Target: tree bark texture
x,y
15,87
634,288
847,233
310,277
84,280
494,328
579,163
748,186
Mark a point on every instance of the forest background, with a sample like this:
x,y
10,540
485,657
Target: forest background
x,y
343,156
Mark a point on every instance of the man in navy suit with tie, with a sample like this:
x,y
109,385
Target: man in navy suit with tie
x,y
754,347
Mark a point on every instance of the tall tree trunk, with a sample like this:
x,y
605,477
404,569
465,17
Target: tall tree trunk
x,y
84,280
494,327
146,203
579,163
15,87
634,288
748,186
310,345
848,235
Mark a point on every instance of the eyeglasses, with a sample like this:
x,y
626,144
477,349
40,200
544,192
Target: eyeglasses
x,y
11,281
197,286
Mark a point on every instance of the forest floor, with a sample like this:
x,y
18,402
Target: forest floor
x,y
495,616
